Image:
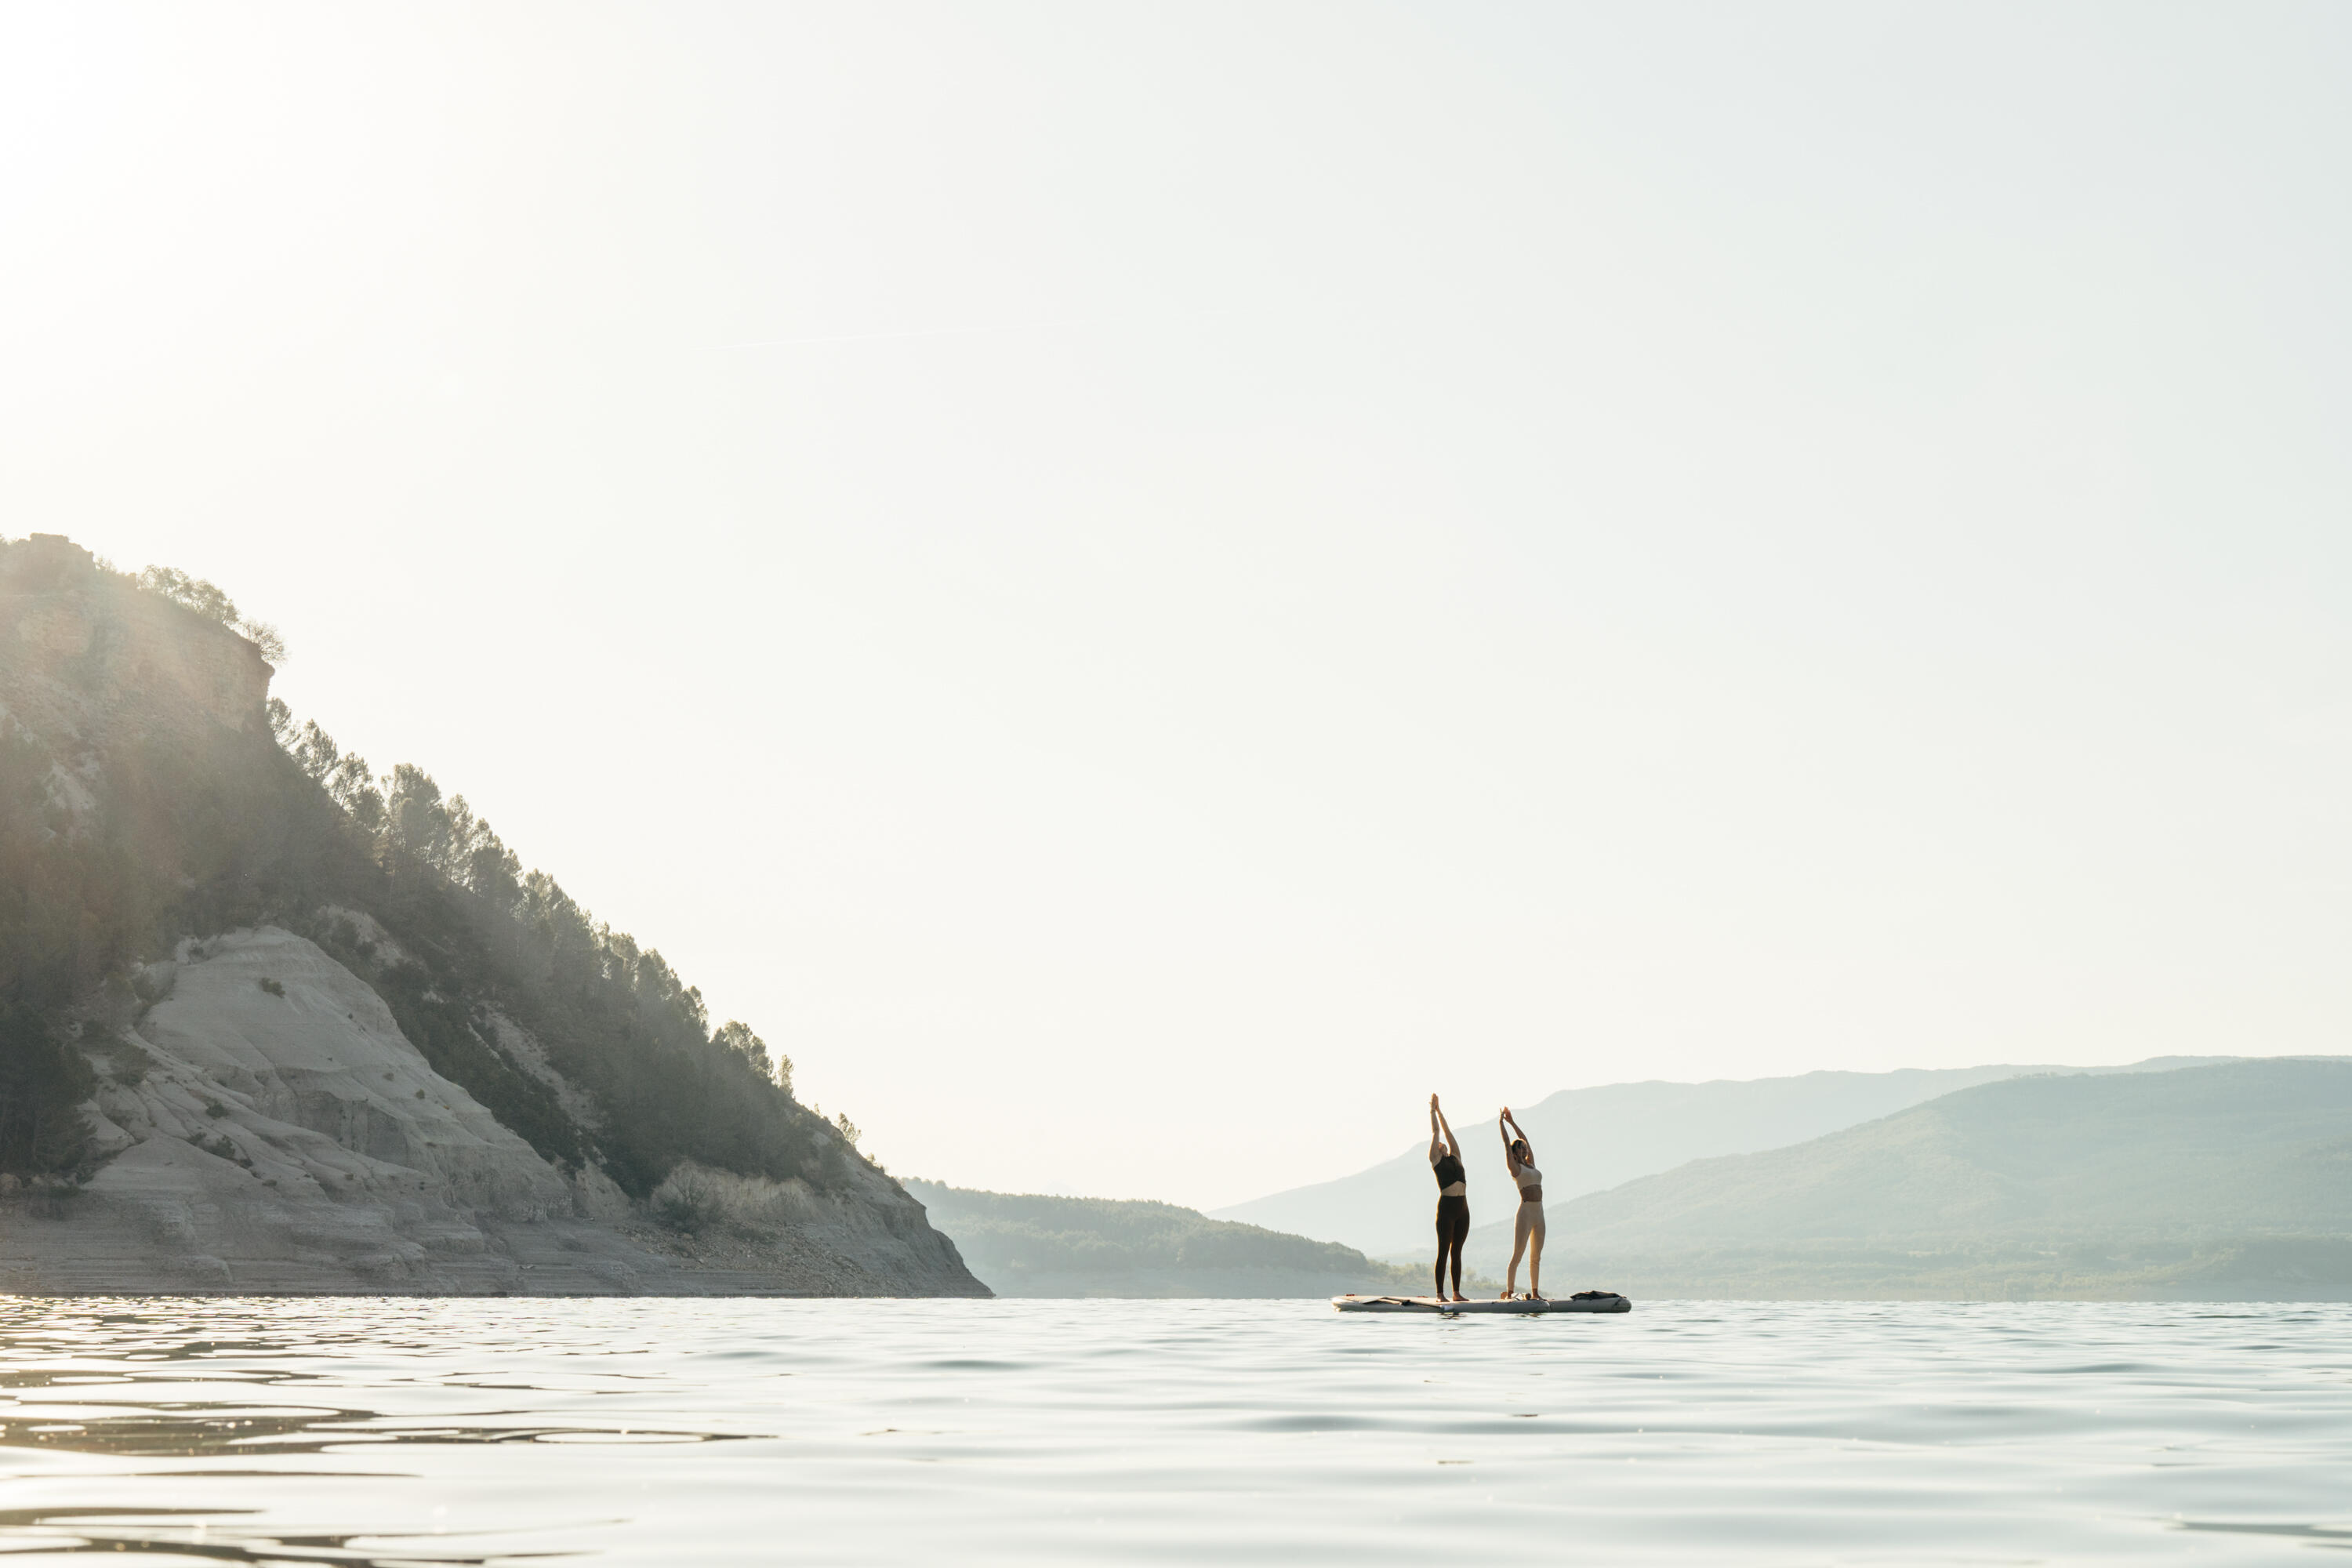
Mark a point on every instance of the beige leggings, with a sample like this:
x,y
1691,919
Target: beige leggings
x,y
1529,1223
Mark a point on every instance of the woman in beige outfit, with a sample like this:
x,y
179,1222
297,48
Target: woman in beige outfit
x,y
1528,1226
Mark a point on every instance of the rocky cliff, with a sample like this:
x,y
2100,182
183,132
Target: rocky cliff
x,y
254,1116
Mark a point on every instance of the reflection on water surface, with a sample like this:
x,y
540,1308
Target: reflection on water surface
x,y
878,1432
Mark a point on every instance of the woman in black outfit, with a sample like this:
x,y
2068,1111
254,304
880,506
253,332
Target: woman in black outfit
x,y
1453,1199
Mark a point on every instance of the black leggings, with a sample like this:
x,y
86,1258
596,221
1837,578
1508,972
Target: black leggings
x,y
1452,1230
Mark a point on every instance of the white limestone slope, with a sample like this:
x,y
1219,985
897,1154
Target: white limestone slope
x,y
287,1137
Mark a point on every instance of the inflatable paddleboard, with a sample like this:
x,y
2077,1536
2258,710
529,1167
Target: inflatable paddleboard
x,y
1583,1301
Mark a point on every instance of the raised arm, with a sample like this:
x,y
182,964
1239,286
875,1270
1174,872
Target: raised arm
x,y
1445,1127
1433,1142
1510,1126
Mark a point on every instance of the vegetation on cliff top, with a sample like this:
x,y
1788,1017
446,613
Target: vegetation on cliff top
x,y
116,843
204,599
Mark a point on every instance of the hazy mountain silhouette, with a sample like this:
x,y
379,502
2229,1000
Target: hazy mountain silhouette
x,y
1031,1245
2226,1180
1590,1139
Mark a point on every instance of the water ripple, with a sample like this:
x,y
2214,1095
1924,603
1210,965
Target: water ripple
x,y
664,1432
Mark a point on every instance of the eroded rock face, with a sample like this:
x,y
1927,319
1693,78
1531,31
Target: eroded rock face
x,y
271,1130
314,1083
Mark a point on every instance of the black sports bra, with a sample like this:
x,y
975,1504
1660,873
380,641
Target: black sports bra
x,y
1449,1171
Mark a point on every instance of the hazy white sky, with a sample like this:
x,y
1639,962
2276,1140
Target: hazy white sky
x,y
1136,587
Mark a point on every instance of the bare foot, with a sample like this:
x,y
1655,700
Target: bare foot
x,y
1460,1297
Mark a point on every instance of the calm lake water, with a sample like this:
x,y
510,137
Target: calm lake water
x,y
628,1431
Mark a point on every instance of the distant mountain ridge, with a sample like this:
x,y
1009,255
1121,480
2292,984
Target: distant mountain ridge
x,y
1031,1245
2232,1180
1588,1139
